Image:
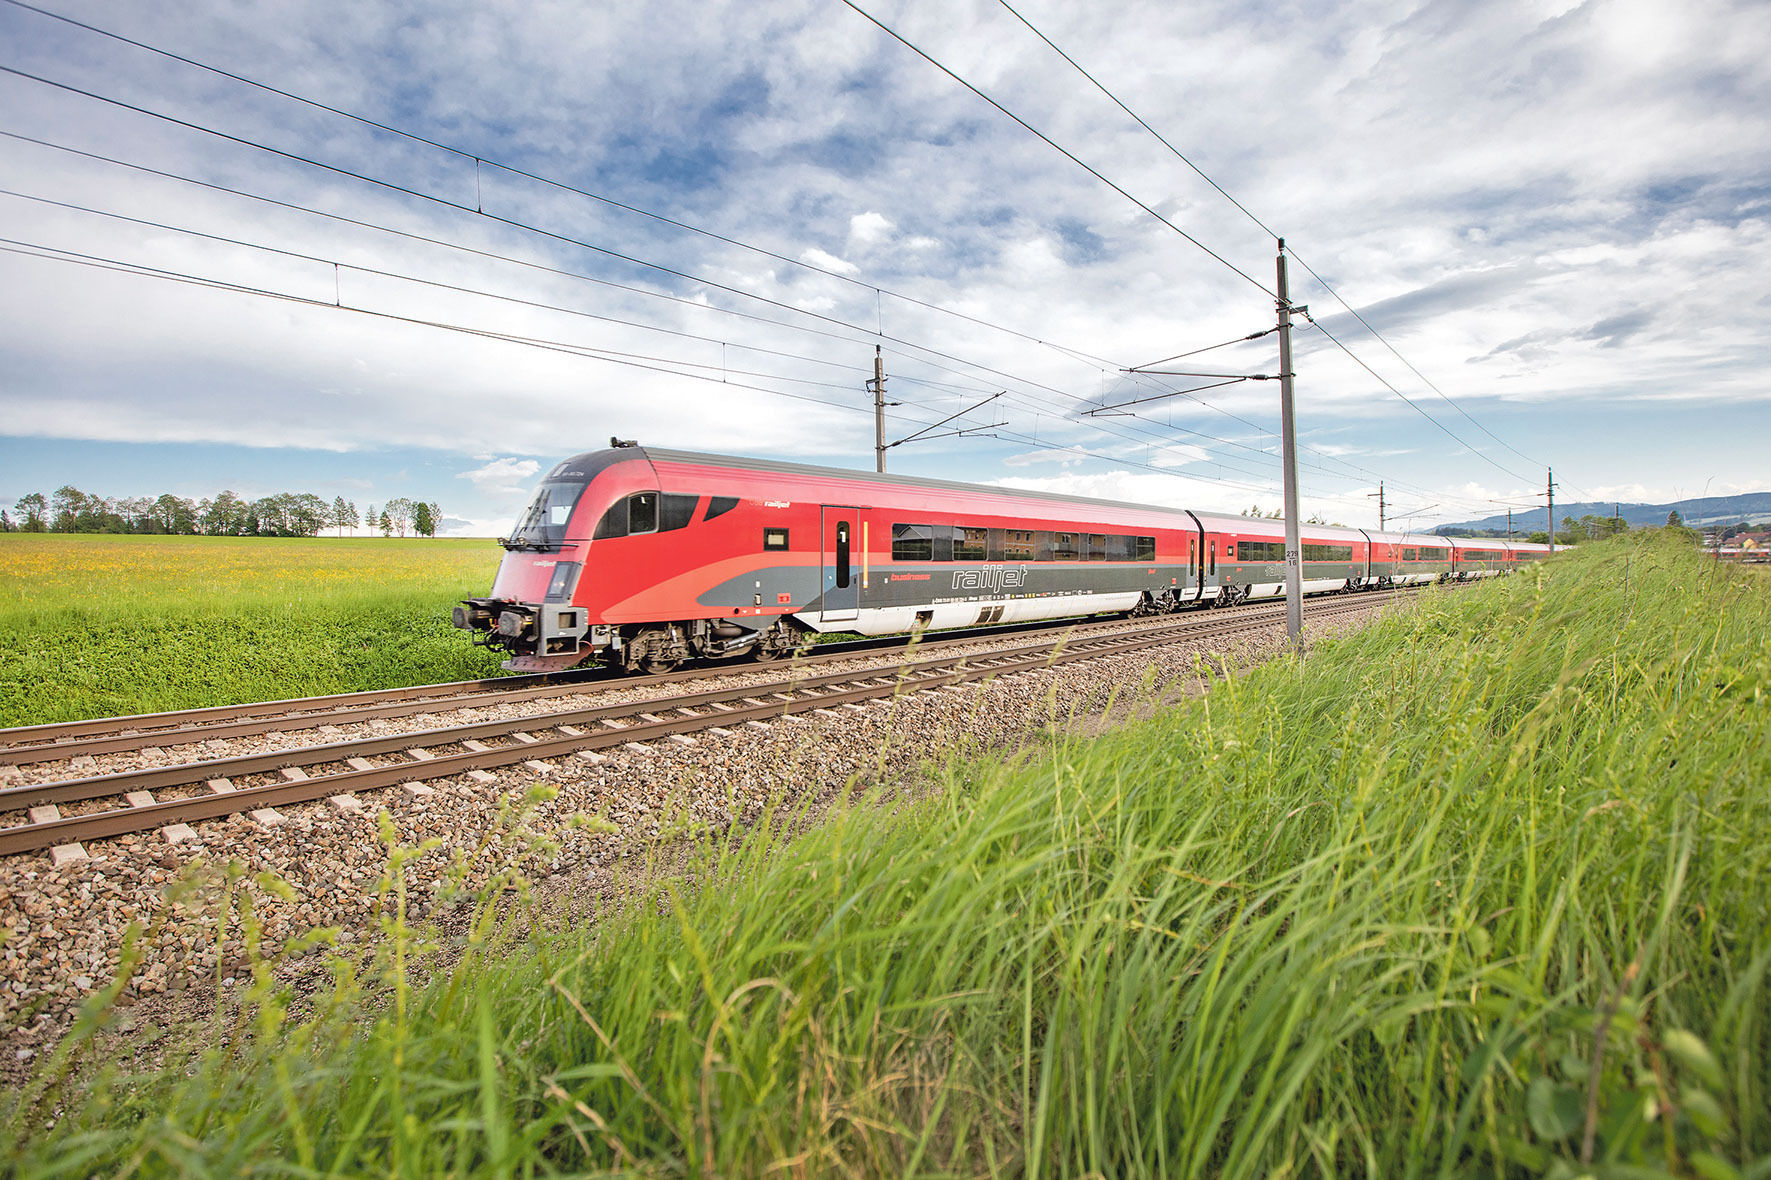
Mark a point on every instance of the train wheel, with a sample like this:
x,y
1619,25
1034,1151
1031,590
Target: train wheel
x,y
779,642
655,651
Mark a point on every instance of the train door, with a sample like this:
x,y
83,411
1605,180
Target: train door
x,y
1195,560
842,558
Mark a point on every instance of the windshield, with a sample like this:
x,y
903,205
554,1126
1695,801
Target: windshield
x,y
543,524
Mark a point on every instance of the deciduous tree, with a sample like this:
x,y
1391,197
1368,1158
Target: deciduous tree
x,y
398,512
35,510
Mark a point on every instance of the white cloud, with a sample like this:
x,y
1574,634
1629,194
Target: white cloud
x,y
502,478
831,262
869,229
1454,170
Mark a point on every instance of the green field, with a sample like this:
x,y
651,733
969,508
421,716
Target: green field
x,y
1480,890
92,626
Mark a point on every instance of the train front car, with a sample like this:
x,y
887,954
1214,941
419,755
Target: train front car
x,y
532,613
643,559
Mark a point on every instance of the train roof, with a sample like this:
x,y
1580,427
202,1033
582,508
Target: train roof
x,y
591,463
594,461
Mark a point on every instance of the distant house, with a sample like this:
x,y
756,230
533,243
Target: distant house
x,y
1754,547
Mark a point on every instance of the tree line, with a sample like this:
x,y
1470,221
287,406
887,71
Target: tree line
x,y
286,514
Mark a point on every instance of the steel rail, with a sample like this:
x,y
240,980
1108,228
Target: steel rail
x,y
29,744
183,774
57,730
793,696
151,726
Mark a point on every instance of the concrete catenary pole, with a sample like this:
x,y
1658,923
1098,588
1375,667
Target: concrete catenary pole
x,y
1294,570
1549,491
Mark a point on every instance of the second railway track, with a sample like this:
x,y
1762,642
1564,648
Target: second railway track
x,y
138,800
57,741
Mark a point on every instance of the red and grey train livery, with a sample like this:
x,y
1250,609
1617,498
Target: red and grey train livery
x,y
642,557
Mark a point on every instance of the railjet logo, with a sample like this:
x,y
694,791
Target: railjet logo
x,y
990,577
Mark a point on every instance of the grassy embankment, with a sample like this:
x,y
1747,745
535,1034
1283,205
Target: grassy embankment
x,y
1482,889
92,626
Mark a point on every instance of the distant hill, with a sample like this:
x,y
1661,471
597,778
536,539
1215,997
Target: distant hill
x,y
1753,507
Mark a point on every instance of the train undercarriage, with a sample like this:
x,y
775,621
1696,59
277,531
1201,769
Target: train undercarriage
x,y
548,638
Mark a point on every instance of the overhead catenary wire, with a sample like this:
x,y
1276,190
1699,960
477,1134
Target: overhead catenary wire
x,y
1115,99
1449,433
921,349
1066,350
534,303
57,254
668,367
1061,149
615,254
513,223
479,159
359,268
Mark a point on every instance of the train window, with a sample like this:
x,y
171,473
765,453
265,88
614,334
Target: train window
x,y
675,512
1410,555
1229,550
1018,545
1097,547
642,512
1435,554
842,554
1063,547
613,523
1264,550
998,539
971,544
720,505
774,538
1328,553
1214,557
636,514
1143,548
913,542
1192,553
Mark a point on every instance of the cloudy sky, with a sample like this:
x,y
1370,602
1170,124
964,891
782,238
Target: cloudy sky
x,y
692,223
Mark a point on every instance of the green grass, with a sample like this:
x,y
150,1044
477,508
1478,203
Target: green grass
x,y
1415,907
94,626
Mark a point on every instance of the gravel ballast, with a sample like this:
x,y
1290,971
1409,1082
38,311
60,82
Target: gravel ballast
x,y
64,927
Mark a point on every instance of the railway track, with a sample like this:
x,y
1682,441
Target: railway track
x,y
61,815
72,739
100,735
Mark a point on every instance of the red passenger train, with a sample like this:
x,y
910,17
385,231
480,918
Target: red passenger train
x,y
642,558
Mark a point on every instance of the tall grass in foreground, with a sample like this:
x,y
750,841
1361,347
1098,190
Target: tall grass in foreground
x,y
1481,890
92,625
